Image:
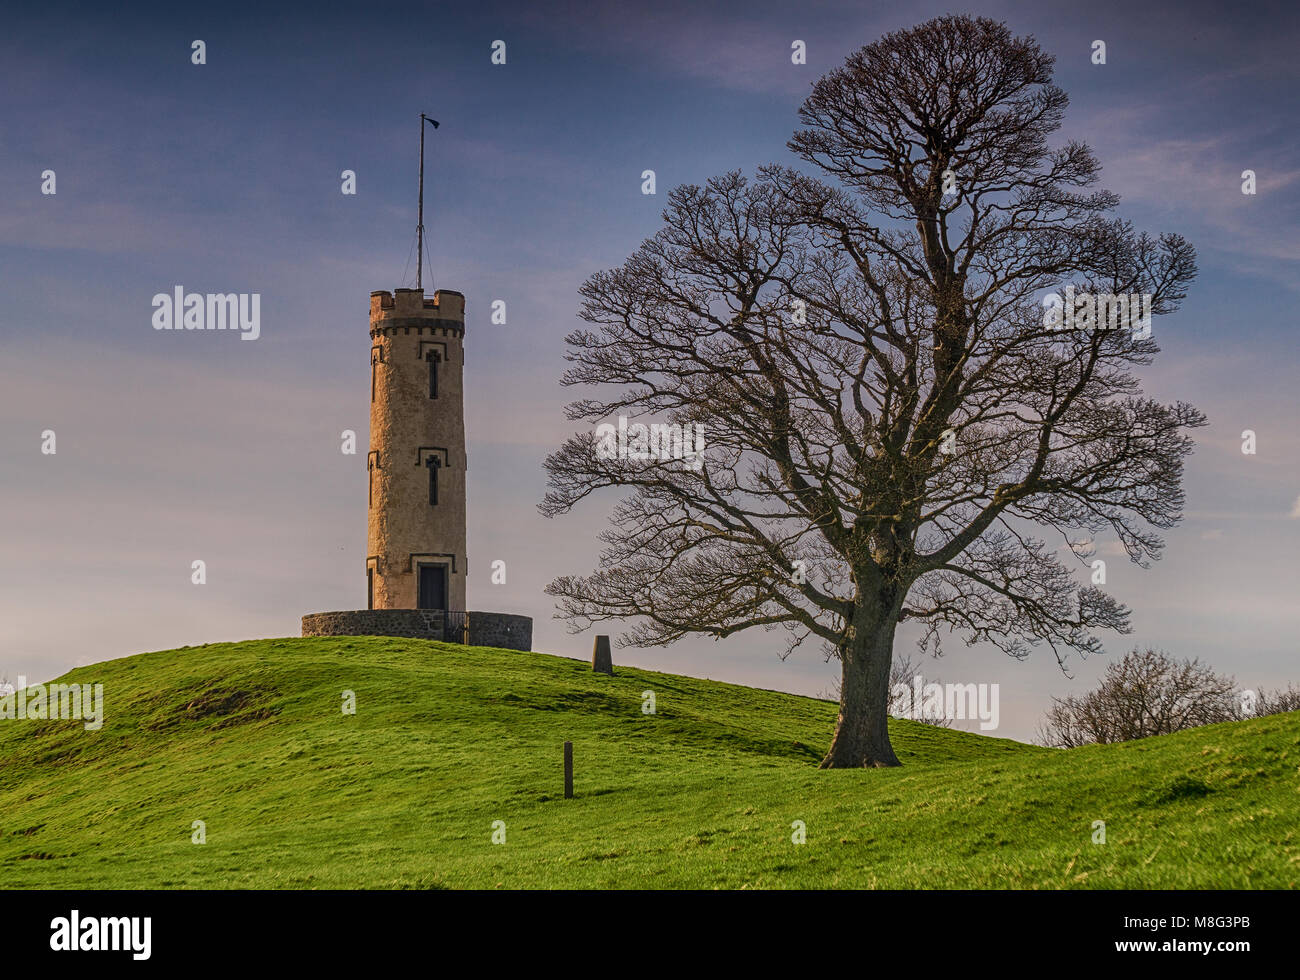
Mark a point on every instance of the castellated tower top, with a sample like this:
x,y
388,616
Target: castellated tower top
x,y
410,308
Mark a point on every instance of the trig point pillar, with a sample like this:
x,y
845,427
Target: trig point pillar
x,y
415,556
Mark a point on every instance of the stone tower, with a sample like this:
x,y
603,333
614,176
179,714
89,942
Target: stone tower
x,y
416,567
415,555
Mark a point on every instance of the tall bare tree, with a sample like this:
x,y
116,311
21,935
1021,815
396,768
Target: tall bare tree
x,y
890,418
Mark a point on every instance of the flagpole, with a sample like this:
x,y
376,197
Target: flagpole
x,y
419,222
419,225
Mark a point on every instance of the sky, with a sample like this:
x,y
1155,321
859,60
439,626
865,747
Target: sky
x,y
226,177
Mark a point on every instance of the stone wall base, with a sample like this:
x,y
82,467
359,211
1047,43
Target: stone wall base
x,y
483,629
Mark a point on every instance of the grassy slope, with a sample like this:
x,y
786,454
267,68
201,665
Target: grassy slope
x,y
250,738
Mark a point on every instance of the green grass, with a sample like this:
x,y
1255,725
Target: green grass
x,y
250,738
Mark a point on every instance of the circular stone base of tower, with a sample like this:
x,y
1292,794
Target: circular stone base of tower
x,y
480,629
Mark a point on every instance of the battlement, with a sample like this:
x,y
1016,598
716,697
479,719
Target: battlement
x,y
444,304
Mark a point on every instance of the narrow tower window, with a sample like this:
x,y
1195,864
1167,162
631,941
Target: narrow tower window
x,y
434,464
372,464
376,358
433,359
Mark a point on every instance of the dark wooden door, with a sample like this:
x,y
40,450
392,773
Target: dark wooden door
x,y
433,586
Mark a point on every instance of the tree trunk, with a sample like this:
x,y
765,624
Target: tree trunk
x,y
862,730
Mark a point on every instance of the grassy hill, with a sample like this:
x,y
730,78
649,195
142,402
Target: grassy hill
x,y
250,738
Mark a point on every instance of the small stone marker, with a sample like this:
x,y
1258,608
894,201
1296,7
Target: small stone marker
x,y
602,662
568,770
